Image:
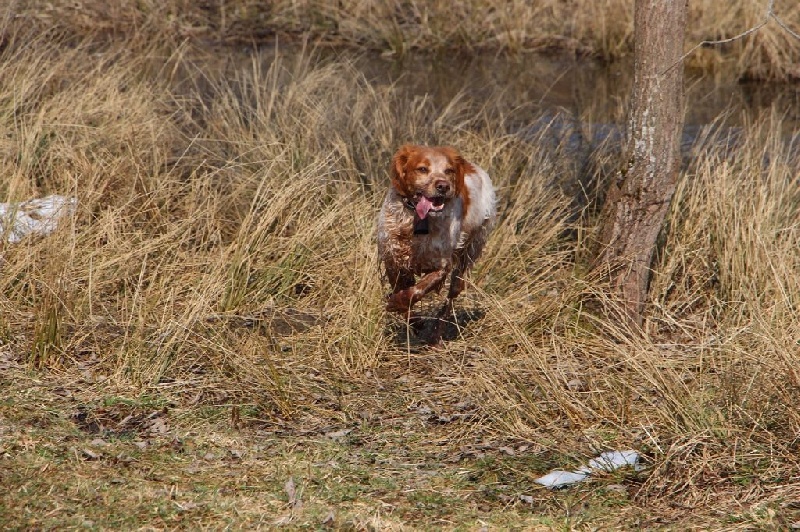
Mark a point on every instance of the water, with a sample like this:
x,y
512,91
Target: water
x,y
587,89
535,85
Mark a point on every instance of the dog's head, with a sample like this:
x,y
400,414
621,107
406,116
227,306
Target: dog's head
x,y
428,177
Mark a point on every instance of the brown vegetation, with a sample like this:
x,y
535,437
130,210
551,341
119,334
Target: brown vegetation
x,y
218,290
584,27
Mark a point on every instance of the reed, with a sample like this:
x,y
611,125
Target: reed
x,y
584,27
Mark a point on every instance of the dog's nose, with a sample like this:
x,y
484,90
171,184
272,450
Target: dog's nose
x,y
442,186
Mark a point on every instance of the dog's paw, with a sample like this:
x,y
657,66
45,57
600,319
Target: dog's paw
x,y
398,302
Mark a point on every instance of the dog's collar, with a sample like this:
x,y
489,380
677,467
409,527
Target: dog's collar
x,y
421,227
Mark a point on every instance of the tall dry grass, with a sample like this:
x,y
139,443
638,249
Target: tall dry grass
x,y
584,27
223,252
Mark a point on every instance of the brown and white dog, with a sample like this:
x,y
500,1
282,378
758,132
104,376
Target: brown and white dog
x,y
434,221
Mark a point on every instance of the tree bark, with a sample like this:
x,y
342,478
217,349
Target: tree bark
x,y
638,198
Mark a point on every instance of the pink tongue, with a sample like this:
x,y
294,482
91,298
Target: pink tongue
x,y
423,206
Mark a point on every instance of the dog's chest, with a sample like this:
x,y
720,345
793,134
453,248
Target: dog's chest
x,y
420,252
434,250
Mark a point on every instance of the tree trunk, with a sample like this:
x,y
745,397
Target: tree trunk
x,y
638,198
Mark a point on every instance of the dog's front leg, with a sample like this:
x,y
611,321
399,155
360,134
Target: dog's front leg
x,y
402,300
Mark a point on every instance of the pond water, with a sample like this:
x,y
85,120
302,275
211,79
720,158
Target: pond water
x,y
587,89
592,91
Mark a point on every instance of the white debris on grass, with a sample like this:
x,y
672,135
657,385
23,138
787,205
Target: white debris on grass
x,y
611,460
558,478
37,216
607,461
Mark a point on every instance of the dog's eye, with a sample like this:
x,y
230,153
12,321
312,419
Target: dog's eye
x,y
449,171
422,169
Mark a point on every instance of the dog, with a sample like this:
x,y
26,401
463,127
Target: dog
x,y
435,220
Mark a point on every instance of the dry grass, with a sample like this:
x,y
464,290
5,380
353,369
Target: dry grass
x,y
222,265
583,27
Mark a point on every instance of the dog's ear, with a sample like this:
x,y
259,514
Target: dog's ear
x,y
461,171
397,171
460,165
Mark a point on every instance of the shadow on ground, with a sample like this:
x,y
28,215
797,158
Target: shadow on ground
x,y
418,332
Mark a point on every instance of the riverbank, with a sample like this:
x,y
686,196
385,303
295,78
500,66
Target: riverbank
x,y
583,28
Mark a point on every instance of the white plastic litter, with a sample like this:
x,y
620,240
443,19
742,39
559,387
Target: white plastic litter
x,y
611,460
557,478
607,461
37,216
